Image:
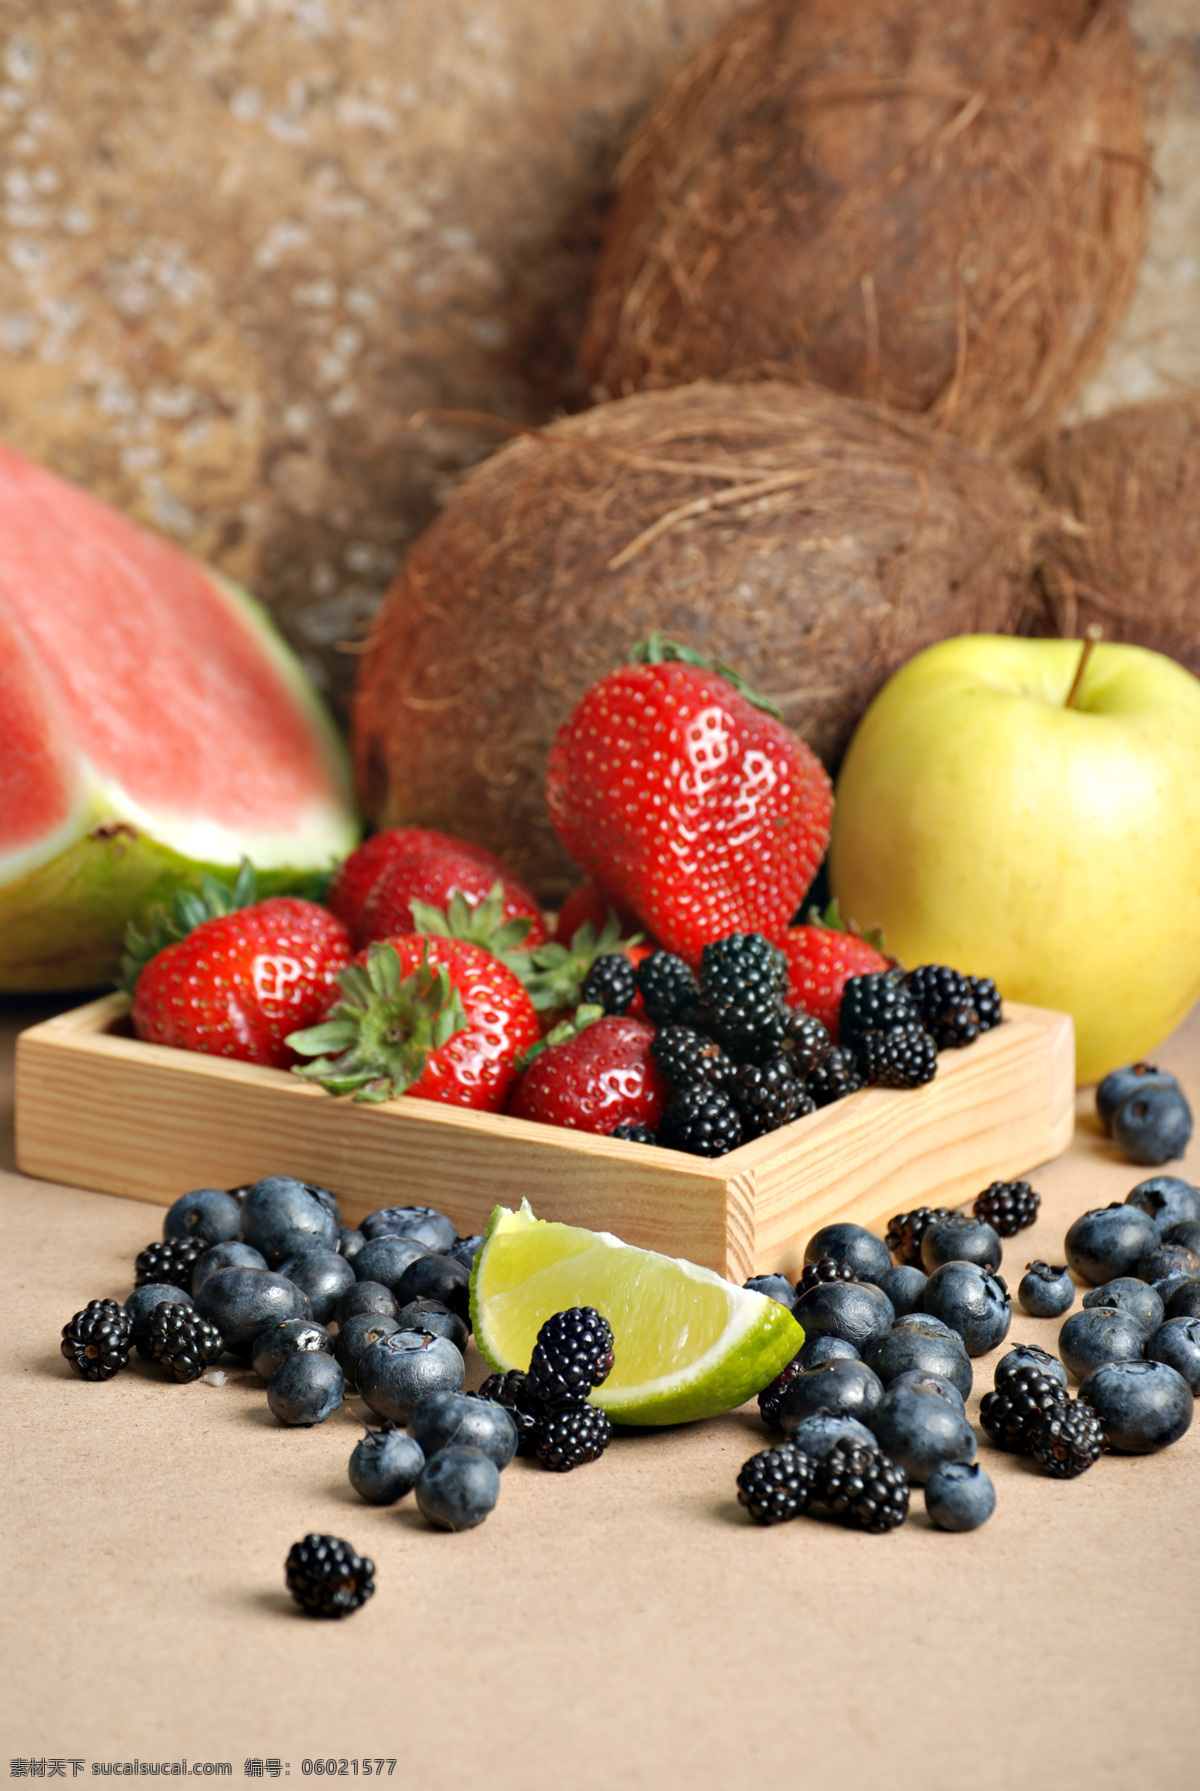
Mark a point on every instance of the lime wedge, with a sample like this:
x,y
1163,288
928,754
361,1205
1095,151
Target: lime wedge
x,y
687,1343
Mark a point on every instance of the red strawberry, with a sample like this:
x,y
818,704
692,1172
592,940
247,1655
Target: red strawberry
x,y
595,1079
590,903
688,801
438,1018
820,960
374,890
240,982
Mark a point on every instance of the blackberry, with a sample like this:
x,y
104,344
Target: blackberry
x,y
571,1435
1067,1440
772,1394
96,1341
512,1391
768,1096
171,1261
181,1341
685,1057
777,1484
1008,1207
573,1354
743,980
864,1488
610,983
703,1120
667,987
633,1132
906,1230
1022,1398
833,1078
807,1043
902,1057
946,1003
326,1577
987,1001
826,1268
874,1003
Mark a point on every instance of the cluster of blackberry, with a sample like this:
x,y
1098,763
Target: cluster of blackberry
x,y
549,1405
97,1340
740,1062
857,1484
1031,1412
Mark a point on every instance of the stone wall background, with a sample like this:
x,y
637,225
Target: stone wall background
x,y
244,240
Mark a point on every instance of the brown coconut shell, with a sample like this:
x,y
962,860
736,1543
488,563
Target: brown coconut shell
x,y
812,542
938,206
1131,482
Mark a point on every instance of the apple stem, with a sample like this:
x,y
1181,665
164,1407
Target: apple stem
x,y
1092,634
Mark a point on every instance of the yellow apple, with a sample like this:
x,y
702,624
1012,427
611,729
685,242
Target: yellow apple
x,y
983,823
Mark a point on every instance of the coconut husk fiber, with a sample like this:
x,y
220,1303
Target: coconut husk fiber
x,y
812,542
1132,481
937,206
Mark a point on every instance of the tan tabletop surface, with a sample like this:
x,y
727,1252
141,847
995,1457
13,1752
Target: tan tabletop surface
x,y
624,1625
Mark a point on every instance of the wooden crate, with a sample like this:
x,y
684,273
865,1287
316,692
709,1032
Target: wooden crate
x,y
98,1109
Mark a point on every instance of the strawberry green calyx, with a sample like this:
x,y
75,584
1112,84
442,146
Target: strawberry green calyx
x,y
559,971
187,911
380,1036
657,649
584,1016
480,923
830,920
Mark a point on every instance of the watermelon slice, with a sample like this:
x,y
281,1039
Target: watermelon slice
x,y
153,725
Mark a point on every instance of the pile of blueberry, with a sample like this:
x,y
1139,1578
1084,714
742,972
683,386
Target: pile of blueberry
x,y
739,1062
1146,1113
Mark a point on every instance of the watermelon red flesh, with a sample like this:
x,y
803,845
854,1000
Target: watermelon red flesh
x,y
128,668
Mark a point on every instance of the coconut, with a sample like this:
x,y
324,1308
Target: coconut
x,y
1130,482
939,207
813,542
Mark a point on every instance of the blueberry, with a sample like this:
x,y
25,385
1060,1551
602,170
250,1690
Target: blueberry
x,y
854,1244
466,1250
442,1419
920,1430
905,1288
1168,1288
143,1301
324,1276
209,1214
358,1333
1129,1295
385,1260
306,1388
1108,1240
1118,1085
435,1316
1177,1343
855,1310
959,1496
243,1302
281,1217
366,1296
905,1349
1142,1405
385,1464
973,1302
937,1383
350,1242
1153,1126
925,1321
815,1437
1168,1200
1099,1334
776,1287
437,1278
838,1389
458,1488
402,1367
959,1237
1046,1290
1184,1300
225,1256
290,1337
1028,1355
1166,1260
423,1224
1184,1231
826,1348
